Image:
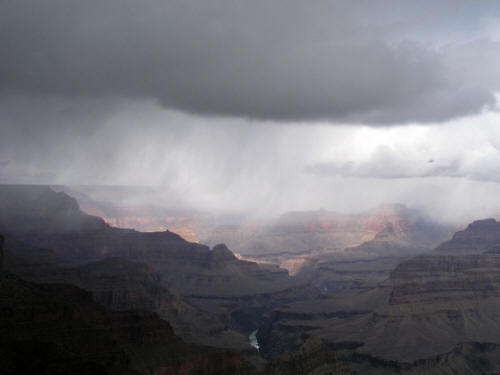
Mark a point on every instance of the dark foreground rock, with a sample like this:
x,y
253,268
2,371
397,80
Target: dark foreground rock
x,y
314,357
60,329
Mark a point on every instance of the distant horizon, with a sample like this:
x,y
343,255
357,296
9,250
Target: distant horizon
x,y
231,217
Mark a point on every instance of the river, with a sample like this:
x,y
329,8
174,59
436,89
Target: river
x,y
253,339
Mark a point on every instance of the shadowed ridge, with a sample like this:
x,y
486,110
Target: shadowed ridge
x,y
221,252
476,238
57,328
32,210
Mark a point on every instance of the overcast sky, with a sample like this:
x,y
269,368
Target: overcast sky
x,y
259,106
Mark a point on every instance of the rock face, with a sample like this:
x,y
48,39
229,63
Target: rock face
x,y
465,359
213,282
332,250
45,219
299,232
319,245
476,238
437,313
290,325
121,285
37,211
453,291
69,332
363,266
313,357
336,251
141,208
60,329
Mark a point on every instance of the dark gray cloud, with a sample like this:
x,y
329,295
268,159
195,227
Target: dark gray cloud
x,y
344,61
159,93
226,164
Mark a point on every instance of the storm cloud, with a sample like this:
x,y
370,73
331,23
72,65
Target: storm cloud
x,y
226,164
286,61
249,106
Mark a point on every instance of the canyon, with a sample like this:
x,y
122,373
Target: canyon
x,y
329,249
378,301
213,279
436,311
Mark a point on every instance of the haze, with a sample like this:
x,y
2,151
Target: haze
x,y
256,106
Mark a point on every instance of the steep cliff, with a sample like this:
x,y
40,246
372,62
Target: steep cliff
x,y
121,285
212,281
59,329
438,307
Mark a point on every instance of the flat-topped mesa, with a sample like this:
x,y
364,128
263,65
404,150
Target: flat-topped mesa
x,y
478,237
